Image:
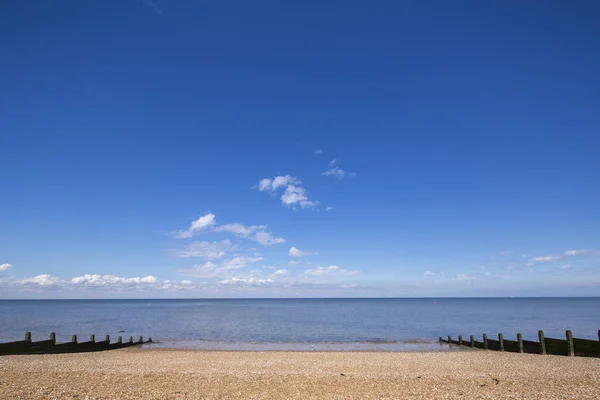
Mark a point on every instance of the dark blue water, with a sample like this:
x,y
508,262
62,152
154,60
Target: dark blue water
x,y
344,324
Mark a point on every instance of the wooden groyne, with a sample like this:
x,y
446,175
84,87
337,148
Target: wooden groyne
x,y
569,346
50,346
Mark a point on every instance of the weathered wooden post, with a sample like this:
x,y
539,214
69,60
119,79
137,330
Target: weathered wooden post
x,y
449,340
460,340
520,340
149,340
570,346
501,340
130,339
74,339
441,340
599,335
542,342
53,337
107,338
120,340
28,336
485,343
141,339
472,341
93,338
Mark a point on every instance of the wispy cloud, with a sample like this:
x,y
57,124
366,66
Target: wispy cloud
x,y
545,259
5,267
568,253
246,282
330,270
294,194
281,272
240,262
208,223
464,277
154,6
329,208
318,151
428,273
581,252
205,250
336,172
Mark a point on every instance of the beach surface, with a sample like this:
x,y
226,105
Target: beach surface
x,y
138,373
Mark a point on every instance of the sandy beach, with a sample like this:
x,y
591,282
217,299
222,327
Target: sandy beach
x,y
189,374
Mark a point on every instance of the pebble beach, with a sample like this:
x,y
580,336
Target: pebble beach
x,y
139,373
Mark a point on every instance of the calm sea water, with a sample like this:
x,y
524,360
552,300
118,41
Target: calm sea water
x,y
300,324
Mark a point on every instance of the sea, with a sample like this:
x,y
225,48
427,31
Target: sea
x,y
381,324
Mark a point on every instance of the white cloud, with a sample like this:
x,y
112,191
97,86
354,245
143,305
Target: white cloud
x,y
177,285
239,229
201,224
565,266
266,239
272,185
328,208
240,262
318,151
257,233
246,282
581,252
545,258
297,253
42,280
428,273
207,270
297,195
205,250
293,262
5,267
112,280
281,272
330,270
349,286
336,172
294,193
254,232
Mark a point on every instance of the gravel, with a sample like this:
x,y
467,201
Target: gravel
x,y
138,373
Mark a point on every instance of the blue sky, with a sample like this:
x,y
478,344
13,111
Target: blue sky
x,y
314,149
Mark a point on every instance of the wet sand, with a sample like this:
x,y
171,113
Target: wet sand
x,y
190,374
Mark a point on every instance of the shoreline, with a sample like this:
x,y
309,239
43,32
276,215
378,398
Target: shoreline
x,y
159,373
